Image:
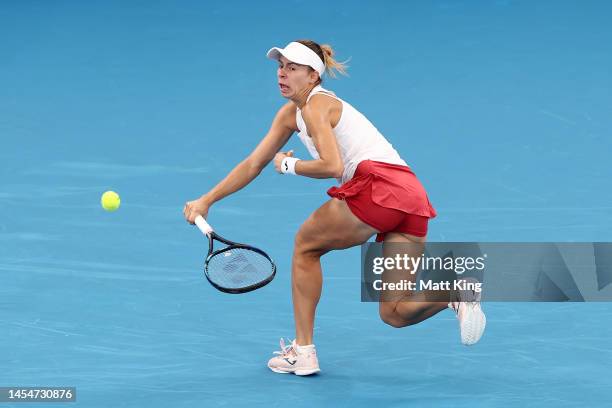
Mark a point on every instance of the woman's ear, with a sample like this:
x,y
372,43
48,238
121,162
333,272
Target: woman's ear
x,y
314,77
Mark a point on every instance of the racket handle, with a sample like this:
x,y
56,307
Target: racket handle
x,y
203,225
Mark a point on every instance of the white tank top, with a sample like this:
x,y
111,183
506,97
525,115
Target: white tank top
x,y
356,136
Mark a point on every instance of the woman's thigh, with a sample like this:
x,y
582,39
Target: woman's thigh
x,y
402,245
332,226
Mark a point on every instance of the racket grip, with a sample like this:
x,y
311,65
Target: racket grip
x,y
203,225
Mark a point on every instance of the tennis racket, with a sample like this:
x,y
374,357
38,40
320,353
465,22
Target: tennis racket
x,y
236,268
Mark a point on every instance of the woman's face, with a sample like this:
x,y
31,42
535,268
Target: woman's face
x,y
293,78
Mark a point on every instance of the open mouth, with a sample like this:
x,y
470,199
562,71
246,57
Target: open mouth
x,y
283,87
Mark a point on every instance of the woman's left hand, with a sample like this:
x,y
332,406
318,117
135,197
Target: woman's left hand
x,y
278,159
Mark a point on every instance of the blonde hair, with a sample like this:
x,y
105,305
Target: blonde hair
x,y
326,53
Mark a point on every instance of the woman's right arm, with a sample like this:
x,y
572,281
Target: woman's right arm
x,y
246,171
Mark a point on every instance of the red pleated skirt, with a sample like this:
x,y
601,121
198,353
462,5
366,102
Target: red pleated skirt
x,y
388,197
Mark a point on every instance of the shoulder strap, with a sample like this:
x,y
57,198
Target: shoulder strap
x,y
319,89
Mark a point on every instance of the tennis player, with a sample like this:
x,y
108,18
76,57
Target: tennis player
x,y
378,194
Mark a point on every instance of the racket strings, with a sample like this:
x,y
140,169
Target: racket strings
x,y
238,268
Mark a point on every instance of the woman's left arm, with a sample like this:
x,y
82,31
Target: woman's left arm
x,y
316,115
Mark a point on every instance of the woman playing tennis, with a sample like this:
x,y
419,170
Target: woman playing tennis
x,y
378,194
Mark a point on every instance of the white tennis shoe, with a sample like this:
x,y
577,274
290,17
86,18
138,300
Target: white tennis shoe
x,y
295,359
472,320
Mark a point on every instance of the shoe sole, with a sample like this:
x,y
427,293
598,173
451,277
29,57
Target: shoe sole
x,y
296,372
306,372
475,325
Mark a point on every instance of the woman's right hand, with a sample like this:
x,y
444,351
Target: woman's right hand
x,y
278,159
196,207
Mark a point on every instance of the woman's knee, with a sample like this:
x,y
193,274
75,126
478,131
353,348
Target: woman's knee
x,y
306,243
305,257
389,315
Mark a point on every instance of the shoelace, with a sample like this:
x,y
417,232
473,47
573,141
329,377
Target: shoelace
x,y
286,349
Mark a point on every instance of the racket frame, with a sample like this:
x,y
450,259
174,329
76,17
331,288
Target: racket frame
x,y
212,236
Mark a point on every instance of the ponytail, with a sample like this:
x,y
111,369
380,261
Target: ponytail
x,y
331,65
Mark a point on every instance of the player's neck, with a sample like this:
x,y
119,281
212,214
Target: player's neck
x,y
302,97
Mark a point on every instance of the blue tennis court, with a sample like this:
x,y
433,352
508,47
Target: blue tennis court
x,y
502,108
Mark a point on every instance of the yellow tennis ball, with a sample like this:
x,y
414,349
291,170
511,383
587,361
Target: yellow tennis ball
x,y
110,201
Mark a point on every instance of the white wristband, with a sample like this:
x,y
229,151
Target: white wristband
x,y
288,165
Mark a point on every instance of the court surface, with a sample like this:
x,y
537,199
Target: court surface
x,y
502,108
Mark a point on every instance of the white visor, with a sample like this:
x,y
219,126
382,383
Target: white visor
x,y
300,54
